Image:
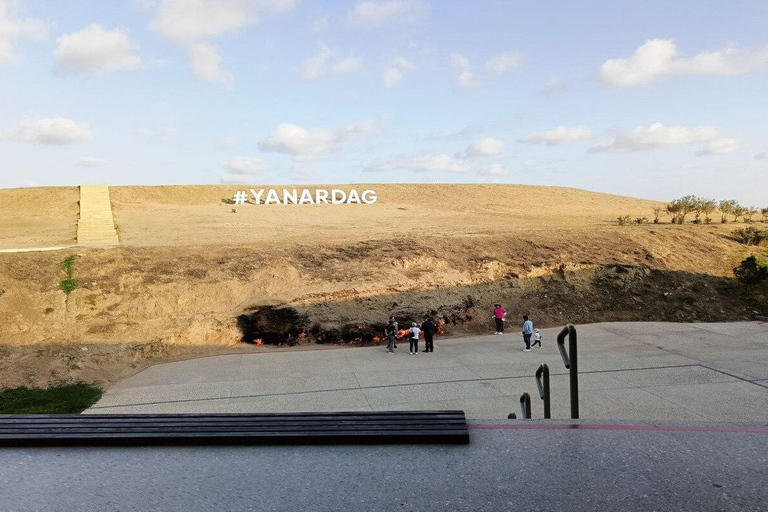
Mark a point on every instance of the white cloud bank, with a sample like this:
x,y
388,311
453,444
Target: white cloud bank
x,y
325,63
373,13
504,63
12,29
393,73
488,147
95,50
560,136
658,136
466,77
50,132
194,23
244,165
303,143
658,58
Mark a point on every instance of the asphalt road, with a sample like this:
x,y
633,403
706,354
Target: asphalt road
x,y
611,467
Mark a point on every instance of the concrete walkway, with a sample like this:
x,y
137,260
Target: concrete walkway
x,y
628,371
611,468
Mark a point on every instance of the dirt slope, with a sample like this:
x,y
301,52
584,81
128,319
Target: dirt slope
x,y
192,273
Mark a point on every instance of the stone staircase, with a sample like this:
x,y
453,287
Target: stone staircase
x,y
96,225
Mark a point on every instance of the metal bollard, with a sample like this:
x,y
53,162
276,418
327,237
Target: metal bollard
x,y
525,406
571,360
542,382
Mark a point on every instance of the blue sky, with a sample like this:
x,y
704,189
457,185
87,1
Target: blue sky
x,y
649,98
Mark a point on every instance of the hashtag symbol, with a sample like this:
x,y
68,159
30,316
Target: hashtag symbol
x,y
241,197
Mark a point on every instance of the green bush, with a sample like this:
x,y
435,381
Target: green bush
x,y
750,235
624,220
68,285
752,271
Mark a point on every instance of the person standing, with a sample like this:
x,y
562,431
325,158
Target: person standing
x,y
394,322
428,328
391,333
414,338
499,313
527,332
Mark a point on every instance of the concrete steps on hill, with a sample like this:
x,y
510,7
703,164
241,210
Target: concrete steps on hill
x,y
96,225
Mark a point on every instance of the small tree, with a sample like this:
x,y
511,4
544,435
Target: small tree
x,y
737,212
658,211
680,208
707,206
726,208
748,213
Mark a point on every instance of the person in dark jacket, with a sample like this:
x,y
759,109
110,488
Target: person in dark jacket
x,y
428,328
391,332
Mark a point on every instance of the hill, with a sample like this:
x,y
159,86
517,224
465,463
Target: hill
x,y
190,271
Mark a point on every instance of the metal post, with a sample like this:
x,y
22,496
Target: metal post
x,y
571,360
542,382
525,406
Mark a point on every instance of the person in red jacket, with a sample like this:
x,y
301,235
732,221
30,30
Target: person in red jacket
x,y
499,313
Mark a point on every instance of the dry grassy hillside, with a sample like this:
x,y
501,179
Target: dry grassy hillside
x,y
192,273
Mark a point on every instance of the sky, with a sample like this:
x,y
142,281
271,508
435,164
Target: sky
x,y
653,99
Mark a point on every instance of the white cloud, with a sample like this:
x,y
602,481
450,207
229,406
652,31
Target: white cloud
x,y
720,147
658,58
466,77
504,63
303,143
193,23
324,63
226,144
553,86
560,136
428,163
763,155
244,165
488,147
494,170
206,63
158,133
393,73
659,136
88,161
12,29
51,132
371,13
95,50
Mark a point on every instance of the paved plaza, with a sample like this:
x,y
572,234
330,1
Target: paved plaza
x,y
628,371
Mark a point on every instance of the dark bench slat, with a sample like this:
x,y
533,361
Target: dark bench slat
x,y
294,428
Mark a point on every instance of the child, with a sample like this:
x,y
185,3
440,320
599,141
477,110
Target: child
x,y
414,336
536,338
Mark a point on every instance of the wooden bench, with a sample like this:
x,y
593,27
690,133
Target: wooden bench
x,y
407,427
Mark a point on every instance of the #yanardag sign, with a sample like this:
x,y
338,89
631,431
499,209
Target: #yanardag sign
x,y
304,196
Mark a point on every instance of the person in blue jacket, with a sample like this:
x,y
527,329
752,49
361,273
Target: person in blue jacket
x,y
527,332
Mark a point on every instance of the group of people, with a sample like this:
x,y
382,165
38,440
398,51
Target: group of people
x,y
528,331
531,336
428,328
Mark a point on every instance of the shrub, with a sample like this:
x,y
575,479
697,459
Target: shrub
x,y
68,284
764,213
48,311
624,220
641,220
752,271
726,208
656,214
750,235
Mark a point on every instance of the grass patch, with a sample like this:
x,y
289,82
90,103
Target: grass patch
x,y
69,284
63,399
